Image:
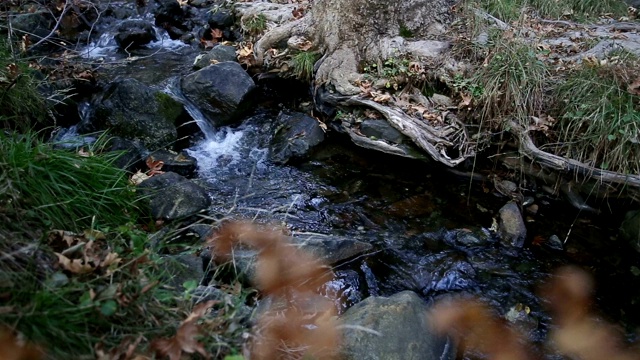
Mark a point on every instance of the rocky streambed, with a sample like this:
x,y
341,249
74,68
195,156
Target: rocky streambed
x,y
399,233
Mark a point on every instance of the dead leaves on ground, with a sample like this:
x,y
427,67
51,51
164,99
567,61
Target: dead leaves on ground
x,y
82,253
579,332
186,338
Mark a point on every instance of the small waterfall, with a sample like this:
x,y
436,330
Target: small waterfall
x,y
106,47
173,89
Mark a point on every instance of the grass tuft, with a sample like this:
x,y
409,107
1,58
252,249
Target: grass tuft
x,y
581,10
63,189
600,119
512,81
303,63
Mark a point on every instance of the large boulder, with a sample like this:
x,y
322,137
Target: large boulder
x,y
390,328
295,136
220,91
132,34
134,111
172,196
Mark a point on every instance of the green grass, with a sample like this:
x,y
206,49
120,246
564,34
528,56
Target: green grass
x,y
599,117
303,63
581,10
58,188
512,82
21,103
255,24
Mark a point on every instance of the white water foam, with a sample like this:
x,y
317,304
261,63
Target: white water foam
x,y
221,148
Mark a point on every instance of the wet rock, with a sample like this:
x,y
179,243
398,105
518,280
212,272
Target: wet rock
x,y
179,163
403,330
330,250
132,34
134,111
554,243
381,129
295,136
221,91
511,227
133,153
183,268
170,16
630,228
218,54
172,196
38,25
221,19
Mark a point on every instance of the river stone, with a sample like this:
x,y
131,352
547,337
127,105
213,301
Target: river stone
x,y
183,268
179,163
218,54
132,34
381,129
133,153
402,322
220,19
172,196
134,111
511,227
38,25
328,249
295,136
221,91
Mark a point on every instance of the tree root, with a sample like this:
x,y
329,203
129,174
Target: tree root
x,y
435,141
555,162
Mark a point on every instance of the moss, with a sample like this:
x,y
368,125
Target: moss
x,y
405,32
169,108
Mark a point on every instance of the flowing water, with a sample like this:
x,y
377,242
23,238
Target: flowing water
x,y
429,228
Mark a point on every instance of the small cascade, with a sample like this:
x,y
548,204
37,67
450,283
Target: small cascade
x,y
173,89
106,47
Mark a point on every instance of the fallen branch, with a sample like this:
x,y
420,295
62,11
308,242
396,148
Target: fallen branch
x,y
529,149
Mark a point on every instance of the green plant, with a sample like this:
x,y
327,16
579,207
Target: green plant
x,y
303,63
600,118
58,188
21,103
512,81
254,24
510,10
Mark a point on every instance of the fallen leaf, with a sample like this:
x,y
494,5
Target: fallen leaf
x,y
154,166
185,339
634,87
138,177
76,266
13,348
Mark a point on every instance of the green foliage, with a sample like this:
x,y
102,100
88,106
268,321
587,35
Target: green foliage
x,y
398,71
21,103
512,81
57,188
600,118
255,24
509,10
303,63
405,32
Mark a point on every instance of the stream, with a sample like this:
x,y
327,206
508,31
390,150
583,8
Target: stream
x,y
430,228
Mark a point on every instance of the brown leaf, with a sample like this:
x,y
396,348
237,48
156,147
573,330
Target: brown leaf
x,y
154,166
216,34
297,13
185,339
76,266
12,348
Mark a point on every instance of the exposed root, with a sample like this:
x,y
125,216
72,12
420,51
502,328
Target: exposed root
x,y
435,141
529,149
